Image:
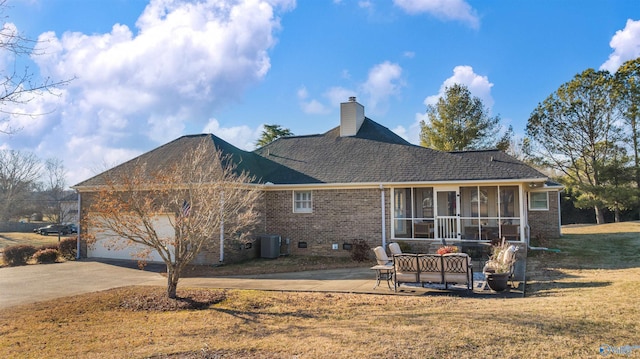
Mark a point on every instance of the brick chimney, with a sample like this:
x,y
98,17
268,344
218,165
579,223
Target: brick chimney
x,y
351,117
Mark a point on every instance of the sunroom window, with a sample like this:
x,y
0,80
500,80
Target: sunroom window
x,y
413,213
490,212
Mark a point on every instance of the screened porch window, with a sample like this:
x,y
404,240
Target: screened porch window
x,y
413,212
490,212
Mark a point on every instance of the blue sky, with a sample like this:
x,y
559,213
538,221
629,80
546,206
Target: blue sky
x,y
147,72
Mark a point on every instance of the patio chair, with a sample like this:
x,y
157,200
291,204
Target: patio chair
x,y
394,248
510,232
381,256
384,268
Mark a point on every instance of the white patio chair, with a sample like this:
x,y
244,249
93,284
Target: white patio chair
x,y
381,256
394,248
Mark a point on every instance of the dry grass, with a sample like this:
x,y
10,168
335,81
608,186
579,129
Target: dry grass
x,y
570,311
278,265
14,238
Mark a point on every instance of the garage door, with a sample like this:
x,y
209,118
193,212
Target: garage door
x,y
128,250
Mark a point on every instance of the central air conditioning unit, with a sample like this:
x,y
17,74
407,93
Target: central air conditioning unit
x,y
270,246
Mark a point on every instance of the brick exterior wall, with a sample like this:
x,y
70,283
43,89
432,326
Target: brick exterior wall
x,y
546,223
235,249
339,216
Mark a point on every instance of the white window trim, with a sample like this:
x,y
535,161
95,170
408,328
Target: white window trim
x,y
303,210
538,209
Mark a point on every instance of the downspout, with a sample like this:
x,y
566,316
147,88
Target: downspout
x,y
524,215
384,217
79,229
221,227
559,213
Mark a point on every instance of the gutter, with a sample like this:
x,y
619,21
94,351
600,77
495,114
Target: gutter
x,y
347,185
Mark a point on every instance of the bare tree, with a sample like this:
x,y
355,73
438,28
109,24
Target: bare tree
x,y
18,85
53,190
19,173
197,194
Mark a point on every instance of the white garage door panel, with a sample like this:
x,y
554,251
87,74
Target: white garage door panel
x,y
100,250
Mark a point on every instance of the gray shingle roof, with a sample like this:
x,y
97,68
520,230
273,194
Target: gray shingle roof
x,y
258,166
374,155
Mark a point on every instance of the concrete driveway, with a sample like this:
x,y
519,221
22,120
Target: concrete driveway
x,y
34,283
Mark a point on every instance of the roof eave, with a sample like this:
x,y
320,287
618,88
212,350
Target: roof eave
x,y
351,185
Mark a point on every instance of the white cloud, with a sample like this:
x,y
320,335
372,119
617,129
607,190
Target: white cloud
x,y
478,85
302,93
314,107
337,95
384,81
334,96
412,134
311,107
444,9
242,137
137,89
401,131
626,46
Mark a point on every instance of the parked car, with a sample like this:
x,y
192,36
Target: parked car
x,y
72,228
61,229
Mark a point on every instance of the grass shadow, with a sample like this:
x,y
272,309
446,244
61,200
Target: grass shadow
x,y
538,288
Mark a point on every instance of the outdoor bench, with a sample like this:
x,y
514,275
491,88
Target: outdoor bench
x,y
432,268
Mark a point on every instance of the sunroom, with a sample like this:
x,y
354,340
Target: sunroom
x,y
459,213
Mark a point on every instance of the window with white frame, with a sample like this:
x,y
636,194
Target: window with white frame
x,y
539,201
302,202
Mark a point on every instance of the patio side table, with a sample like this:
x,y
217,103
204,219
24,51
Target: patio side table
x,y
383,272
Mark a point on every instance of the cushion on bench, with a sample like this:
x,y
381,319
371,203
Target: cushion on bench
x,y
456,267
405,267
430,268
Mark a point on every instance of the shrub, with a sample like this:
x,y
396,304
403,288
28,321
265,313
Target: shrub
x,y
48,255
67,248
47,246
360,251
18,255
405,247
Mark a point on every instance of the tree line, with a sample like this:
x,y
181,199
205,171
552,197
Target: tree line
x,y
30,185
586,132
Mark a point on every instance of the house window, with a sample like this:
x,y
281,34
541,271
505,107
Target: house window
x,y
538,201
302,202
413,212
489,212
